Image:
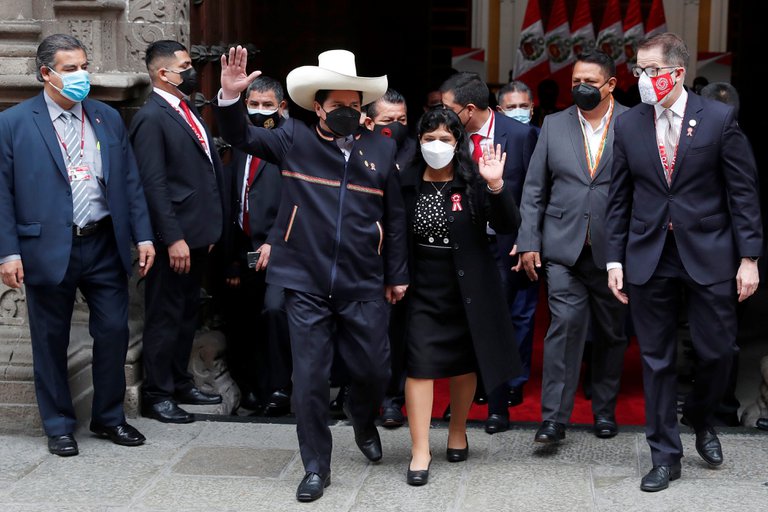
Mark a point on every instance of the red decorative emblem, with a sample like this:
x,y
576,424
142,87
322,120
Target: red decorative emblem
x,y
456,199
387,132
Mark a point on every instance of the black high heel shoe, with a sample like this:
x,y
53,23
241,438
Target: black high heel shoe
x,y
458,454
420,476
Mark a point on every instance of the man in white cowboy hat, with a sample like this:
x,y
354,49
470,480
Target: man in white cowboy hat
x,y
338,245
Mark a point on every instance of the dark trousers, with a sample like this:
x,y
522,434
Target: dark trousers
x,y
522,296
172,304
94,268
574,295
712,319
395,396
361,332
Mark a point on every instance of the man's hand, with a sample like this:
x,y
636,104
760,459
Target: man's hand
x,y
178,252
747,279
530,261
146,258
234,79
616,284
12,273
264,252
394,293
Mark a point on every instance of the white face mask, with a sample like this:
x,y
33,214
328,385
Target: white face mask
x,y
437,153
654,90
519,114
253,111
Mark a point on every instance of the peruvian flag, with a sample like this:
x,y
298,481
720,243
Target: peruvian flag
x,y
657,23
531,60
633,32
558,41
611,40
582,30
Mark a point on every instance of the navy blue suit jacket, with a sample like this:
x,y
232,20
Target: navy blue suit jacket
x,y
713,200
36,197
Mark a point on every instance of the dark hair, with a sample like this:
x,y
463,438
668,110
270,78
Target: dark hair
x,y
722,92
46,51
161,49
322,95
673,48
514,86
463,166
266,84
391,96
602,59
467,88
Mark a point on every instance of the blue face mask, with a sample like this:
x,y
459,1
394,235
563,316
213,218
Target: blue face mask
x,y
519,114
75,85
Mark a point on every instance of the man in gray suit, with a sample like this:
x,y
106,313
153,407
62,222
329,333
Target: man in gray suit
x,y
562,209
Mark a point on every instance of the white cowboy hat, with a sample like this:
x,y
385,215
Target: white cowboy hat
x,y
335,71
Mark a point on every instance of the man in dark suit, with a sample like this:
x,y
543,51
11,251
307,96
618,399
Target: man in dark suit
x,y
563,227
261,369
467,95
683,215
338,245
181,172
71,202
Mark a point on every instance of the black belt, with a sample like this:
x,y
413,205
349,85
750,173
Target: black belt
x,y
92,228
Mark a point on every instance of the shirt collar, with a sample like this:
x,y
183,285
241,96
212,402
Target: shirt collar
x,y
54,110
170,98
678,107
486,128
603,121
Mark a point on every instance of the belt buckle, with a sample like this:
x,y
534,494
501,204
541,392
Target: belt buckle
x,y
78,230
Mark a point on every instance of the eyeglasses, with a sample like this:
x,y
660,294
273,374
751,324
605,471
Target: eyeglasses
x,y
650,71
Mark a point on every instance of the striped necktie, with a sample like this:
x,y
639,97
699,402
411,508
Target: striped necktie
x,y
670,143
80,205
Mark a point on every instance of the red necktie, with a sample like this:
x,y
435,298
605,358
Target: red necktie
x,y
477,151
251,175
188,114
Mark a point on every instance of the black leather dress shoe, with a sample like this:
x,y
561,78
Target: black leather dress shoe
x,y
251,402
167,412
196,397
659,477
312,486
278,404
458,454
605,427
392,417
418,477
63,446
369,442
708,446
515,396
550,432
122,434
496,423
762,423
480,399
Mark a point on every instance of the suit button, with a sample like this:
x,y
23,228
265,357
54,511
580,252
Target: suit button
x,y
468,300
592,187
456,246
586,215
461,273
664,227
69,224
450,218
69,192
669,197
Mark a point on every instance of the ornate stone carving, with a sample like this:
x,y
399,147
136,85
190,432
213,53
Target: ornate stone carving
x,y
13,306
152,20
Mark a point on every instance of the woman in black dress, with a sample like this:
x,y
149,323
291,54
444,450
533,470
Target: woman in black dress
x,y
457,320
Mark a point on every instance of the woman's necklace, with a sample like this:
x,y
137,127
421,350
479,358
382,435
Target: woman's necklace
x,y
439,191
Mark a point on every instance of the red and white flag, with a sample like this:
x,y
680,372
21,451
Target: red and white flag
x,y
656,23
610,40
582,29
633,32
558,41
531,66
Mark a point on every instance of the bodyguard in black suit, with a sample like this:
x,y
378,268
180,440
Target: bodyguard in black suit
x,y
258,346
338,245
683,214
71,203
181,172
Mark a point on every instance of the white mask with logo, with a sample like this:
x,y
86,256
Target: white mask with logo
x,y
654,90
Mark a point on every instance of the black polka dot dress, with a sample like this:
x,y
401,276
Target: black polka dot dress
x,y
438,341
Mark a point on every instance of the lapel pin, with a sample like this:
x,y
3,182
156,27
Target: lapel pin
x,y
98,120
692,122
373,166
365,162
361,152
690,132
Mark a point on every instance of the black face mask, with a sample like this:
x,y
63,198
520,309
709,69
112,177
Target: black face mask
x,y
395,131
586,96
343,121
264,121
189,81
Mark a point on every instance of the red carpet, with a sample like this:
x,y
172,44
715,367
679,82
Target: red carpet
x,y
629,408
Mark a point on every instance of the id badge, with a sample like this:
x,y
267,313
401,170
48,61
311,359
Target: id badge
x,y
79,173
